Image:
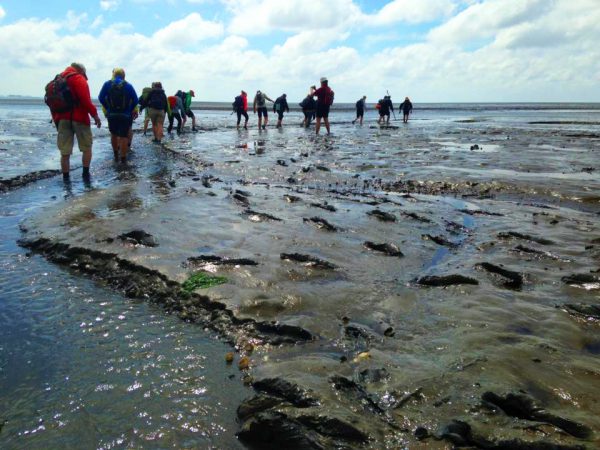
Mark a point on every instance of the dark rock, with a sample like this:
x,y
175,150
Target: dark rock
x,y
310,261
292,198
589,312
283,389
282,162
291,180
389,332
388,249
139,237
479,212
323,168
243,193
415,216
523,407
220,261
305,169
374,375
351,388
333,427
324,206
586,280
275,431
514,280
446,280
382,215
440,240
262,216
526,237
287,333
421,433
475,147
172,183
241,199
322,224
355,332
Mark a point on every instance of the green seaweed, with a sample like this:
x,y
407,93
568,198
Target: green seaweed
x,y
202,280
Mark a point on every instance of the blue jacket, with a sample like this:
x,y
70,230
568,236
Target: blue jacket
x,y
131,100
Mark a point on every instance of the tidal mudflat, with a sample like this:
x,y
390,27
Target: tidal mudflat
x,y
426,285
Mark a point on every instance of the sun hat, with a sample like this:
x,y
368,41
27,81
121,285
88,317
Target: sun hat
x,y
323,79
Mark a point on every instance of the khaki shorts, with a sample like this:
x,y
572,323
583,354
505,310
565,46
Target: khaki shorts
x,y
66,132
156,115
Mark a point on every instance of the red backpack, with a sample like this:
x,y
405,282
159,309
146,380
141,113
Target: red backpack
x,y
59,97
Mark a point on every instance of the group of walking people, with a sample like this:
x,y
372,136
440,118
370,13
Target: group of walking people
x,y
69,99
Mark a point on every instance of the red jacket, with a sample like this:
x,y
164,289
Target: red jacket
x,y
245,102
84,108
324,95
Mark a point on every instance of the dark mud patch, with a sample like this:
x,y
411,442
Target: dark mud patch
x,y
538,254
479,212
446,280
292,198
583,280
581,310
321,224
385,248
439,240
308,261
24,180
139,237
324,206
256,216
508,278
205,260
136,281
415,216
382,215
523,407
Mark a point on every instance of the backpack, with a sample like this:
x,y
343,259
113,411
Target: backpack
x,y
156,99
238,103
59,97
331,98
117,98
359,104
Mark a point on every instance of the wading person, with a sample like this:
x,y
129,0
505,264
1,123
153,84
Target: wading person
x,y
176,112
158,106
119,100
406,107
309,107
384,110
68,97
324,101
280,106
240,106
186,98
360,110
260,106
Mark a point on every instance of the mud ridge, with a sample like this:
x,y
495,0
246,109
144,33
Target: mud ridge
x,y
23,180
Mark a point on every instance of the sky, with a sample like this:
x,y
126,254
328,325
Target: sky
x,y
429,50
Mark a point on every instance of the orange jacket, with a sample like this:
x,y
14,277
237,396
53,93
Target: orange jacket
x,y
84,108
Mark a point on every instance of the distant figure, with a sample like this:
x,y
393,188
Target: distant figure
x,y
324,101
72,118
187,107
240,106
360,110
176,113
143,98
119,100
309,107
384,110
260,105
158,106
406,107
280,106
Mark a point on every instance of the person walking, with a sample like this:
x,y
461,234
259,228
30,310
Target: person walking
x,y
187,107
309,106
406,107
324,101
280,106
260,106
74,120
240,105
176,113
158,106
384,110
360,110
119,100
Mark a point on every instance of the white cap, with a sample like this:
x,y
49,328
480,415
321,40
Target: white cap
x,y
323,79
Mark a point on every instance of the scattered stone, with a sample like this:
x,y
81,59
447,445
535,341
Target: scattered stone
x,y
523,407
321,224
324,206
526,237
283,389
387,249
244,363
588,312
382,215
282,162
440,240
446,280
583,280
292,198
256,216
139,237
309,261
229,357
513,280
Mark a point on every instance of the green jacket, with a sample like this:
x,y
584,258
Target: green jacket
x,y
188,101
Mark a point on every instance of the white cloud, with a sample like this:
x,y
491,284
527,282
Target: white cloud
x,y
411,11
191,29
107,5
73,21
2,12
98,21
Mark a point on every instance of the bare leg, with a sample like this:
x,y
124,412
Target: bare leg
x,y
123,141
114,142
65,164
318,125
146,122
86,159
259,122
326,119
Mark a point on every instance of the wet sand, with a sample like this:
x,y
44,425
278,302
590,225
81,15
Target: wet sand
x,y
392,280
